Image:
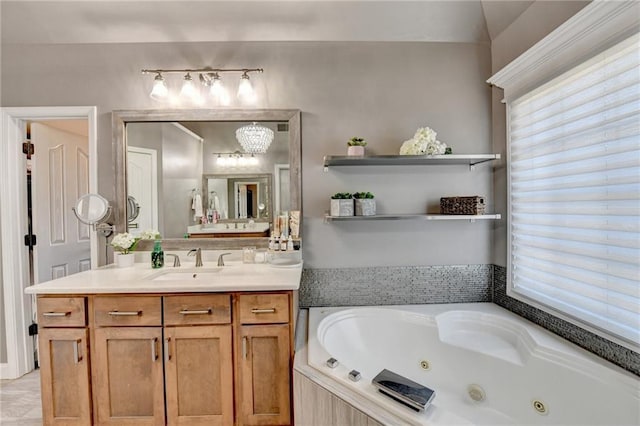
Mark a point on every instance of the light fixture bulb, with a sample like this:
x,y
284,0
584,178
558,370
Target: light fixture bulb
x,y
159,91
221,161
245,89
232,161
218,92
189,90
253,160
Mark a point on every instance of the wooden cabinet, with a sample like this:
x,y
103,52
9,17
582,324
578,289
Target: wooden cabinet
x,y
264,375
199,375
129,375
192,359
64,364
64,373
264,359
198,359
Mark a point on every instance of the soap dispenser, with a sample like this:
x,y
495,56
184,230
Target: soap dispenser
x,y
157,255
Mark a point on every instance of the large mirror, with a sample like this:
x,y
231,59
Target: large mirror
x,y
191,178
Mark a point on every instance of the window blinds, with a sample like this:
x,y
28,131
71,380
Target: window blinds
x,y
574,190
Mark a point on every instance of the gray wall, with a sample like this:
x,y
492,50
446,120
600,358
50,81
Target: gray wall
x,y
380,91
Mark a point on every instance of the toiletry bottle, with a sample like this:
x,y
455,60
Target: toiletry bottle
x,y
283,243
157,255
276,243
290,243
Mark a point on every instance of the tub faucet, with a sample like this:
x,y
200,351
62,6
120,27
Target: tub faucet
x,y
176,259
198,253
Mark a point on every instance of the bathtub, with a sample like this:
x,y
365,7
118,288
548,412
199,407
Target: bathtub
x,y
486,365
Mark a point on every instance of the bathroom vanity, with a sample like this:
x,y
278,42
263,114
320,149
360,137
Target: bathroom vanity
x,y
188,346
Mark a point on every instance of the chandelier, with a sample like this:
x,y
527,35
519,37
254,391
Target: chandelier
x,y
210,82
254,138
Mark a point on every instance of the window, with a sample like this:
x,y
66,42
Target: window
x,y
574,194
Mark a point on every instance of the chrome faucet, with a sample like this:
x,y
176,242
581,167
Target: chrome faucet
x,y
176,259
198,253
221,259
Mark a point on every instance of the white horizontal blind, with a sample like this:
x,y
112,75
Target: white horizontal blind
x,y
574,192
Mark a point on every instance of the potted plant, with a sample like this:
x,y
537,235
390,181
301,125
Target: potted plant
x,y
356,146
365,204
125,244
342,204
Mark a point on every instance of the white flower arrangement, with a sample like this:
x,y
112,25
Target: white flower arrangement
x,y
149,234
423,142
125,243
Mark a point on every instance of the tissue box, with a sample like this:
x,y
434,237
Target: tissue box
x,y
472,205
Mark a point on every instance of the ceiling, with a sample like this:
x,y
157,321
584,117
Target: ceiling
x,y
147,21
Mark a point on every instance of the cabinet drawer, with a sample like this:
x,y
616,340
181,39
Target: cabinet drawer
x,y
263,308
197,309
127,310
61,312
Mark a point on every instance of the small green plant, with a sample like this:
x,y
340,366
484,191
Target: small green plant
x,y
363,195
356,141
341,196
448,150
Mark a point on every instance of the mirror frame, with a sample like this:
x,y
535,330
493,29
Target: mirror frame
x,y
121,117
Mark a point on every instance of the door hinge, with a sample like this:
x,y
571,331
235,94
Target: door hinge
x,y
33,329
28,148
30,240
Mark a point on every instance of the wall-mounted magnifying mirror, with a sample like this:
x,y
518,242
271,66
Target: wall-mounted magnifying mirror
x,y
133,209
94,210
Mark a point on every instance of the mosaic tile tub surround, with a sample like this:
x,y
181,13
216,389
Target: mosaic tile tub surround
x,y
406,285
396,285
625,358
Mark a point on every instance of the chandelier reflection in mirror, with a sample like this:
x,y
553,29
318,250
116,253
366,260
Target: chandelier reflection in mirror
x,y
210,87
254,138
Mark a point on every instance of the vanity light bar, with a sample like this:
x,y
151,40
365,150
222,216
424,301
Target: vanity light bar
x,y
210,78
235,159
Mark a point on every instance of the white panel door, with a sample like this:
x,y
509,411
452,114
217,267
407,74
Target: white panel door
x,y
60,174
142,184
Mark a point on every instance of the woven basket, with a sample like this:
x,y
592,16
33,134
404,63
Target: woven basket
x,y
462,205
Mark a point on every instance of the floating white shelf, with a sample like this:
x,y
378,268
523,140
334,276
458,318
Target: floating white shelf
x,y
407,160
470,218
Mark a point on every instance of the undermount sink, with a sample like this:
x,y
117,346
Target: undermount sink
x,y
187,275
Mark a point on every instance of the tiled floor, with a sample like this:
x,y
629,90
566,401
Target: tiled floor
x,y
20,401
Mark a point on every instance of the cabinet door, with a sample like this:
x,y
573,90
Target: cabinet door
x,y
129,379
199,375
264,374
64,373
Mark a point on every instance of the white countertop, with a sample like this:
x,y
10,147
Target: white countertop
x,y
234,276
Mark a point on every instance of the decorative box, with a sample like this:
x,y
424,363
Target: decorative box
x,y
472,205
